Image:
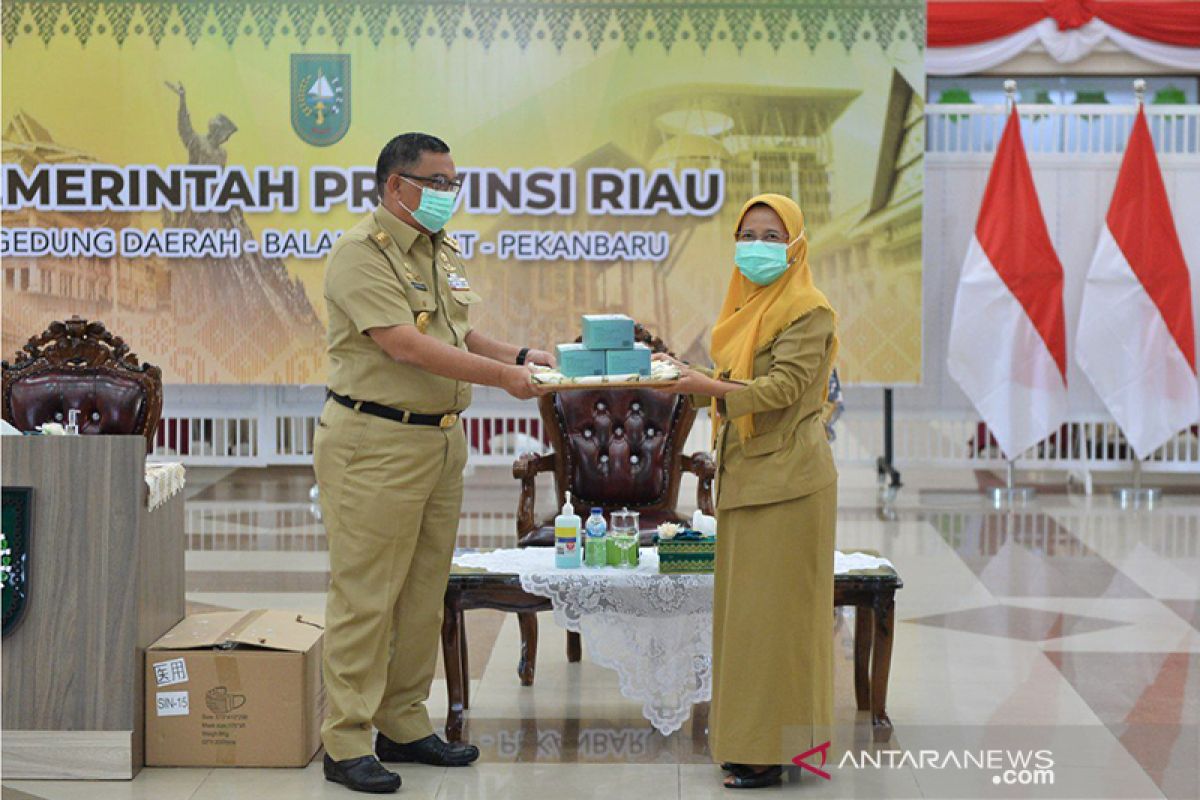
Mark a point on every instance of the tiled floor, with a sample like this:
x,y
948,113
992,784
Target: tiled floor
x,y
1069,619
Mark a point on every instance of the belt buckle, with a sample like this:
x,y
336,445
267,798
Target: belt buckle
x,y
448,421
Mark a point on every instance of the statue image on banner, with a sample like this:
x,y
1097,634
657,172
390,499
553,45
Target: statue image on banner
x,y
604,150
181,308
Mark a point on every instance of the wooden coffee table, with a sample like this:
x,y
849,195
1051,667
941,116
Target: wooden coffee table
x,y
871,592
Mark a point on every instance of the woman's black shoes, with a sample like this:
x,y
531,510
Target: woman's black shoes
x,y
743,777
431,750
364,774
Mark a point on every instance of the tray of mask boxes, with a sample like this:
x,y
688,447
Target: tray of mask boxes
x,y
662,373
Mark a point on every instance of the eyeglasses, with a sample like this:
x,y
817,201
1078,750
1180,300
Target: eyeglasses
x,y
775,237
439,182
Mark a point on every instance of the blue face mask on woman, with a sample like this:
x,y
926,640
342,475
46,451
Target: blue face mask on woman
x,y
762,262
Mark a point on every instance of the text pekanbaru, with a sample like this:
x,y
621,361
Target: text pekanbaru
x,y
204,188
210,243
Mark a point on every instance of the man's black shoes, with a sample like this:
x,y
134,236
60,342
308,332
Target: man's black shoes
x,y
363,774
431,750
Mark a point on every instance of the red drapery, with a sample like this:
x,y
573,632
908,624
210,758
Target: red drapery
x,y
954,24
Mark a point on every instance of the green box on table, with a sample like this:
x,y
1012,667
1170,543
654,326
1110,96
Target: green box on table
x,y
691,556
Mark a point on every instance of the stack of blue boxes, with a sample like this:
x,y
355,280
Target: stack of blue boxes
x,y
608,349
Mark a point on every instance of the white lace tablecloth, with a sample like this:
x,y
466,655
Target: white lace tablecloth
x,y
654,630
164,481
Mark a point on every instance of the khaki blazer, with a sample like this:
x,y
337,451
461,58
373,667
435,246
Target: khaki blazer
x,y
788,456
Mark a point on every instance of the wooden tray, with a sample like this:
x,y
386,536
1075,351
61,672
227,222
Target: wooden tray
x,y
575,386
609,382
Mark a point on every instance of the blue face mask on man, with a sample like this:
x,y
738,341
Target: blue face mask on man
x,y
762,262
435,209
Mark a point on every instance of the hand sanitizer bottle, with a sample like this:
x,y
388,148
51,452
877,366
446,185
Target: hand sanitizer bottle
x,y
567,526
595,552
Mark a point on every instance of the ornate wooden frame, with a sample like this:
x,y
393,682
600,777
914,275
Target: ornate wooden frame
x,y
82,347
527,467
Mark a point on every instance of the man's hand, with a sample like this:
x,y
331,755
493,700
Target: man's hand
x,y
541,358
517,381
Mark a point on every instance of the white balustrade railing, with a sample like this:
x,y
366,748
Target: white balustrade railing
x,y
498,434
1076,130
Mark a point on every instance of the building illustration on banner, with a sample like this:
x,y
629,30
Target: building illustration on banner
x,y
602,171
184,307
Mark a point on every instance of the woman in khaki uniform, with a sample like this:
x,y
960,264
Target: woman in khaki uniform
x,y
773,346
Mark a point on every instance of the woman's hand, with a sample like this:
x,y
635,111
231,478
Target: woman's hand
x,y
668,359
691,382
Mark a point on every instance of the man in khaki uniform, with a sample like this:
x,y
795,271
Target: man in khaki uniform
x,y
389,459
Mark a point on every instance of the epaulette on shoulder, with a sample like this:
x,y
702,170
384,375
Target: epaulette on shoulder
x,y
381,239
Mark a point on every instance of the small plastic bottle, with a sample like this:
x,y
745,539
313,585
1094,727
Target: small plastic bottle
x,y
595,552
567,527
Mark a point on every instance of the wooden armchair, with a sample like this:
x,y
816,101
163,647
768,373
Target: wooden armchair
x,y
611,448
78,365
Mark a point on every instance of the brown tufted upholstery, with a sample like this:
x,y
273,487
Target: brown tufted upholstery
x,y
80,365
618,448
612,448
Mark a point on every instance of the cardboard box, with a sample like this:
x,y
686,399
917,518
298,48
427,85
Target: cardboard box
x,y
576,361
607,331
635,361
238,688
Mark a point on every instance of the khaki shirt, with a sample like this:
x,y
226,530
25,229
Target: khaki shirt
x,y
788,456
383,272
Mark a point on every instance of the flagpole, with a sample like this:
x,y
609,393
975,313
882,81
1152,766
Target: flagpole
x,y
1011,495
1130,498
1137,496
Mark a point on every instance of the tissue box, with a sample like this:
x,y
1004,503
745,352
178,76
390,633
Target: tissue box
x,y
576,361
687,556
628,362
607,332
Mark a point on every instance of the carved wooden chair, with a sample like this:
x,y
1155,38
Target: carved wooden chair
x,y
78,365
611,448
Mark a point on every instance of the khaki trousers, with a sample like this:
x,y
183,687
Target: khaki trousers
x,y
390,499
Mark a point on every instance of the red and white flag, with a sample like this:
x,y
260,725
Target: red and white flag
x,y
1136,341
1008,341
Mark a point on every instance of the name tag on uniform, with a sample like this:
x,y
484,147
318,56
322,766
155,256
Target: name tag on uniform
x,y
416,282
458,283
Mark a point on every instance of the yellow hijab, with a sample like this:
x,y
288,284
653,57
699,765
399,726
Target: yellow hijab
x,y
752,315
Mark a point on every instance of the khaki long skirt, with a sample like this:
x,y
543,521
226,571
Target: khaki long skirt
x,y
773,630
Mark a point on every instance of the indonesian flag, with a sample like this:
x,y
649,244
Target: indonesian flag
x,y
1008,342
1136,341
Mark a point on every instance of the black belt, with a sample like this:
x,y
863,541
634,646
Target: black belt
x,y
395,414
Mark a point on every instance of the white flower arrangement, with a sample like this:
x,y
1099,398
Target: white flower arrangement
x,y
668,530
